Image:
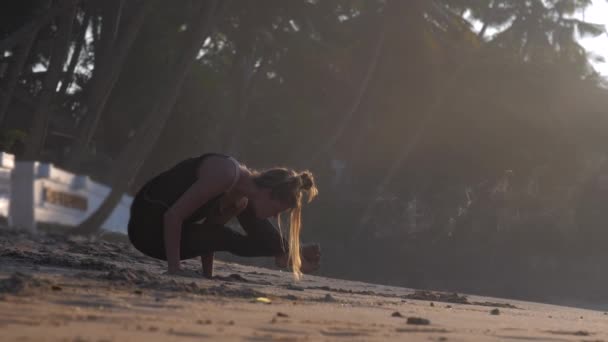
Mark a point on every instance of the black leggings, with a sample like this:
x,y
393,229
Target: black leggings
x,y
146,234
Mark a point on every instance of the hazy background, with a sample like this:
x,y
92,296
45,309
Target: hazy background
x,y
458,144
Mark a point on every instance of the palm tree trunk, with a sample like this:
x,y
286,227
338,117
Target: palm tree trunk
x,y
482,32
23,40
94,222
235,87
354,107
80,39
34,26
110,22
427,118
249,75
21,55
242,108
485,25
138,150
103,83
37,134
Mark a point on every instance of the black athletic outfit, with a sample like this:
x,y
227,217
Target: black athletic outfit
x,y
157,195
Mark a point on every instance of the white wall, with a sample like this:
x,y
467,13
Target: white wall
x,y
58,197
7,163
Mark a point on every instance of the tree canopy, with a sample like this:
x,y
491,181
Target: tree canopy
x,y
444,124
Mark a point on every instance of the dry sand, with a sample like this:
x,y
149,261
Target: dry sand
x,y
58,289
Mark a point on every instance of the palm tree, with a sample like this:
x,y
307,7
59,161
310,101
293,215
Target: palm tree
x,y
140,147
103,82
438,23
22,51
40,20
378,48
540,30
37,133
22,42
76,50
536,30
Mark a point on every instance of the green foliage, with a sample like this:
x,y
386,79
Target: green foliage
x,y
11,139
279,76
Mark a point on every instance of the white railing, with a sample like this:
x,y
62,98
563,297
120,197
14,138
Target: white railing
x,y
33,192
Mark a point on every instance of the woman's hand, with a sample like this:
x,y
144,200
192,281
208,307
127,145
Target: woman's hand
x,y
308,266
312,252
213,179
310,257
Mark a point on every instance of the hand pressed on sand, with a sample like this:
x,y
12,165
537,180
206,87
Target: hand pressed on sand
x,y
225,215
311,258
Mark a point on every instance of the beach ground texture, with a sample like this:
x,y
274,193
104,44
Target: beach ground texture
x,y
55,288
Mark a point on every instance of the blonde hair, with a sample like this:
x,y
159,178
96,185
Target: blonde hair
x,y
288,186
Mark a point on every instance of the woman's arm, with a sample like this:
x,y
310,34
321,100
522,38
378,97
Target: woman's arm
x,y
226,215
214,177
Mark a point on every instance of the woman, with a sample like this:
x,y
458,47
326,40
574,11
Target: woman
x,y
180,214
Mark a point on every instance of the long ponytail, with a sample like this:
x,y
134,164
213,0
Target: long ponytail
x,y
288,186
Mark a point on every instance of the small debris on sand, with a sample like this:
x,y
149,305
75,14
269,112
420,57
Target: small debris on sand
x,y
454,298
237,278
396,314
290,297
129,276
432,304
329,298
571,333
294,287
19,283
498,305
438,297
281,314
231,277
422,330
418,321
263,300
495,312
225,291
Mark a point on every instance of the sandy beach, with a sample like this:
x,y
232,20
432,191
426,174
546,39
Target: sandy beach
x,y
54,288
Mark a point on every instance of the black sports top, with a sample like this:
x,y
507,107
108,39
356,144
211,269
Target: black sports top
x,y
166,188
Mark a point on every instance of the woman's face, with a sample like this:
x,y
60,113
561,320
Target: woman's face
x,y
265,206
